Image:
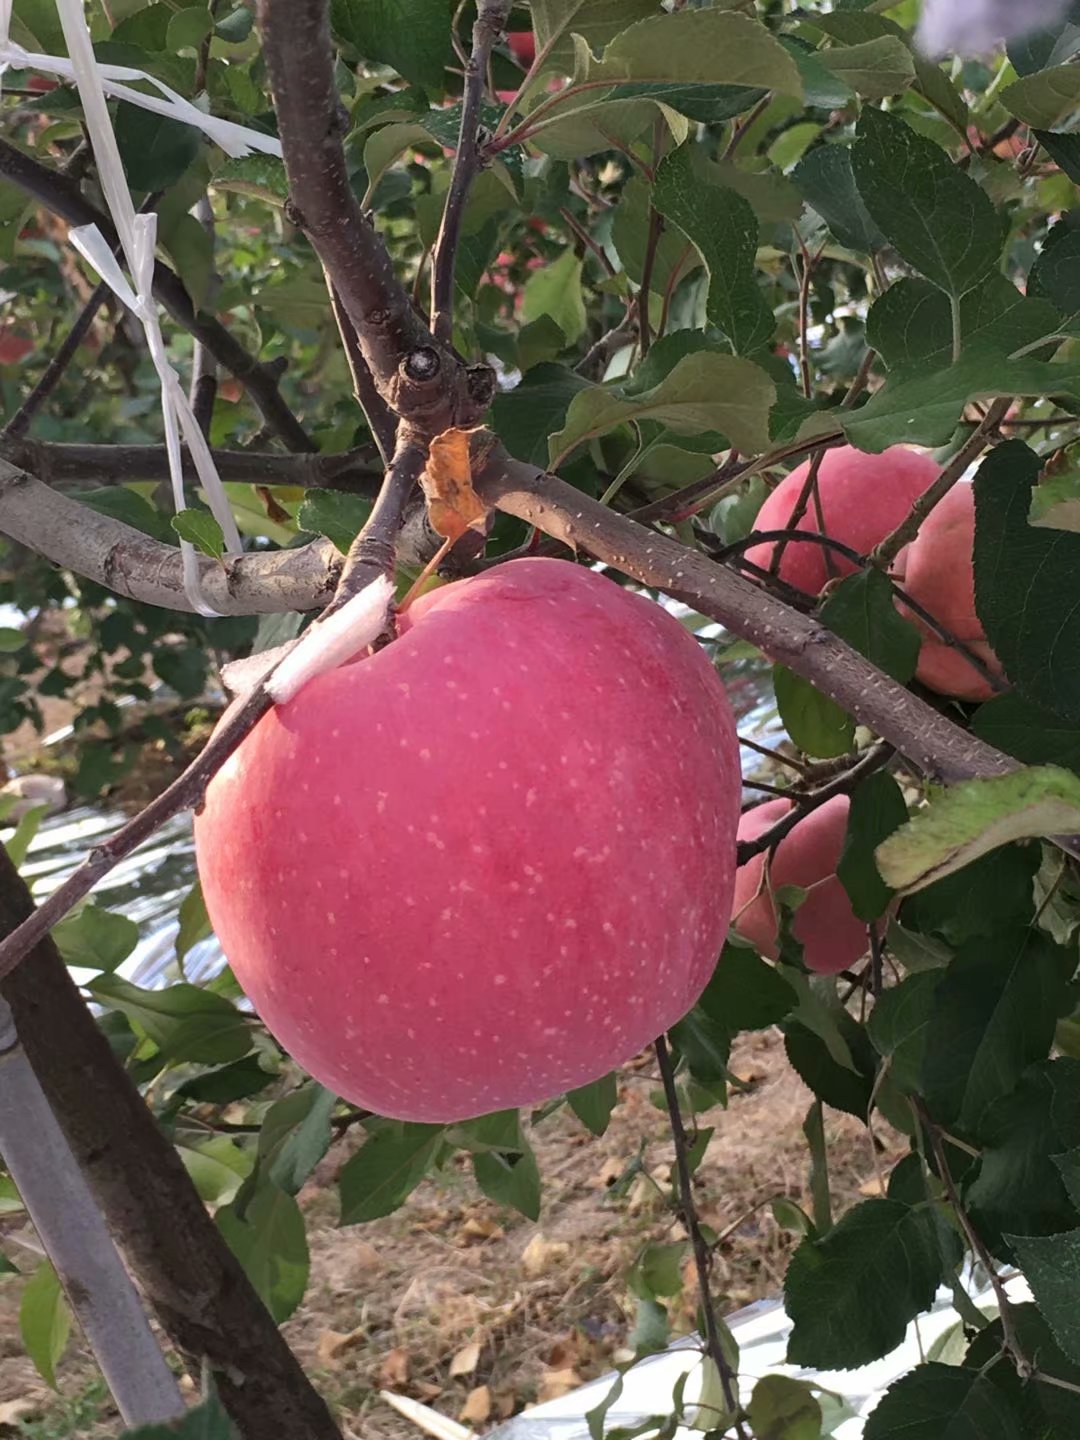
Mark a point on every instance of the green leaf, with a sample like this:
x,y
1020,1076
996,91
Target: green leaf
x,y
1053,275
826,181
672,254
260,176
295,1135
844,1087
994,1014
911,323
188,28
337,514
555,291
194,921
935,215
877,809
271,1244
524,417
784,1409
1051,1265
217,1166
1045,1409
19,842
703,392
976,816
207,1421
1029,732
130,507
1046,99
202,530
238,1081
698,46
816,724
874,68
44,1321
411,36
510,1178
191,247
993,891
725,230
861,611
155,150
1055,503
943,1402
95,939
746,992
596,21
1027,583
900,1024
593,1104
657,1271
852,1293
184,1022
11,640
387,1167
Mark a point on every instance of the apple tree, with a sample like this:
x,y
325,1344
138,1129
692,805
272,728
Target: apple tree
x,y
491,315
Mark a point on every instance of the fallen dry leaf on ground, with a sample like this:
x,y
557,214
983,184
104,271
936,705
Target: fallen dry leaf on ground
x,y
477,1407
541,1255
466,1359
394,1368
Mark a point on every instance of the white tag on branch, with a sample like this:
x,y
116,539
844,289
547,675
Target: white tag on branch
x,y
970,819
330,642
974,27
138,236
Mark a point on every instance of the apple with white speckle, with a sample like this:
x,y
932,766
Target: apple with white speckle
x,y
490,862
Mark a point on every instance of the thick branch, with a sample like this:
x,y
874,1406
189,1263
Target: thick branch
x,y
491,17
176,1253
926,738
64,198
124,560
64,464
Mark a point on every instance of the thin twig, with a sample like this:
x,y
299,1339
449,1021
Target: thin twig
x,y
884,554
777,755
491,17
204,370
713,1344
381,420
809,491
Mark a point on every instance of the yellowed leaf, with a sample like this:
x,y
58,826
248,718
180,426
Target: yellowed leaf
x,y
12,1410
556,1383
332,1344
453,504
874,1186
541,1255
394,1369
466,1359
478,1228
477,1407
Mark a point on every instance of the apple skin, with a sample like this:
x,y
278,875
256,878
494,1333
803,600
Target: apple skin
x,y
490,862
522,45
863,498
937,569
832,936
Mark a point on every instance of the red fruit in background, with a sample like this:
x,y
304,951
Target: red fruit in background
x,y
13,347
522,45
863,498
833,938
938,571
41,84
492,861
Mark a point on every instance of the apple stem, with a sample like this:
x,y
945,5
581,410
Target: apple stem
x,y
415,588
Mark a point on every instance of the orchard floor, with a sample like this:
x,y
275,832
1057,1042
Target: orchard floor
x,y
476,1310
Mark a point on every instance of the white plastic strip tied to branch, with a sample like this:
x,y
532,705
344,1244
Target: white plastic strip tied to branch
x,y
138,238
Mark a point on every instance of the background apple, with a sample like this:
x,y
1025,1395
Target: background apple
x,y
863,498
938,571
832,936
490,862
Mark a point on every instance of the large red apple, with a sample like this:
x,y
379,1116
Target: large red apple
x,y
863,498
937,570
493,860
832,936
522,45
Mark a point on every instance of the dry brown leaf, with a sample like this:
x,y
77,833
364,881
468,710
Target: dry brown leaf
x,y
478,1228
874,1186
332,1344
453,504
477,1407
556,1383
541,1255
505,1404
12,1410
466,1359
394,1369
609,1172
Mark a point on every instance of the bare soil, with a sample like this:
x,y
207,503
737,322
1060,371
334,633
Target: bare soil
x,y
480,1312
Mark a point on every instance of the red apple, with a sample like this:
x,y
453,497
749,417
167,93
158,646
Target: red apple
x,y
833,938
522,45
13,347
493,860
863,498
937,570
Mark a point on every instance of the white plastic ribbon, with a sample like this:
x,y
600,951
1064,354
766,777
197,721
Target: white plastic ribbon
x,y
330,642
137,234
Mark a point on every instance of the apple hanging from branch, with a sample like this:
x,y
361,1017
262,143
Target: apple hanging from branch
x,y
490,862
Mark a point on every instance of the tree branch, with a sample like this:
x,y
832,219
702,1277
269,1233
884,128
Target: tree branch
x,y
126,561
381,420
491,17
53,373
62,196
64,464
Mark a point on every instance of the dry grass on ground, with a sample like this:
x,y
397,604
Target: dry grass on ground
x,y
474,1309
